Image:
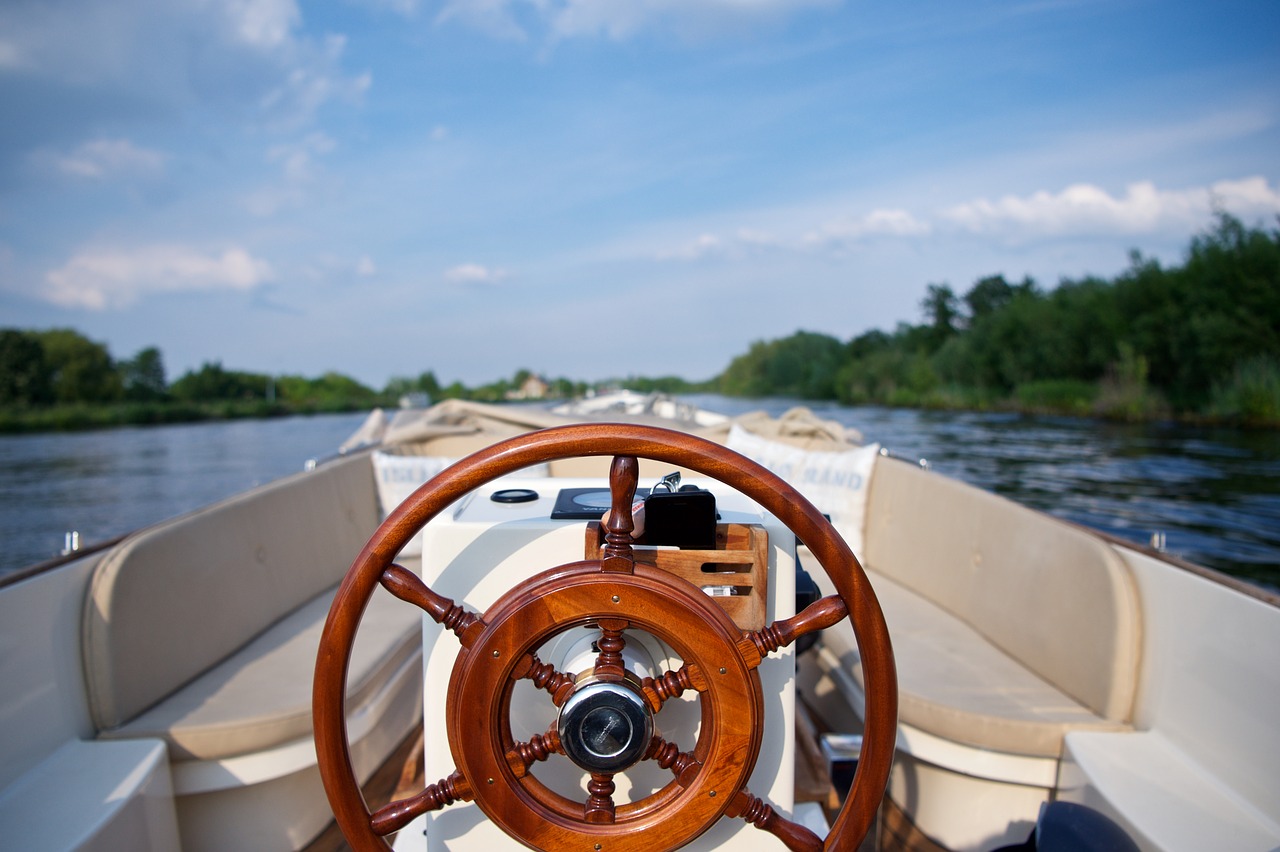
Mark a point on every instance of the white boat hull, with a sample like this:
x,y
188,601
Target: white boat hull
x,y
1170,734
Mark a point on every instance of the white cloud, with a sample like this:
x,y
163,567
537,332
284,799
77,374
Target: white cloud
x,y
1077,211
740,243
408,8
296,159
1085,209
107,158
834,235
843,232
474,273
270,200
1250,197
311,78
365,267
299,172
262,23
99,279
703,246
617,19
492,17
246,55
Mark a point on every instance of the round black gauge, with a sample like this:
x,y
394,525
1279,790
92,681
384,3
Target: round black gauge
x,y
514,495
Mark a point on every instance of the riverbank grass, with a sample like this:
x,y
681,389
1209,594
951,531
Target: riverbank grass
x,y
1057,396
1252,395
82,416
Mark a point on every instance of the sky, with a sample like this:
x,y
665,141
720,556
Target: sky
x,y
598,189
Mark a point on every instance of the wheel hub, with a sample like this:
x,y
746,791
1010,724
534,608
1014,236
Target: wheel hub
x,y
605,726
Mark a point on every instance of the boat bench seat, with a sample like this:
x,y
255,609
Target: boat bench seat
x,y
259,698
202,632
955,684
173,601
1010,629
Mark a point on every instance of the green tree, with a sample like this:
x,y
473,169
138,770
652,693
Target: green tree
x,y
941,312
455,390
144,376
213,382
1087,330
990,294
803,365
25,377
1196,324
895,374
424,383
80,369
1005,345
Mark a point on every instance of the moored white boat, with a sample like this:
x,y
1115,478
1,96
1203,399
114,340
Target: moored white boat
x,y
158,692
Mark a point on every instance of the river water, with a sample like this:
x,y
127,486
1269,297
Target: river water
x,y
108,482
1213,494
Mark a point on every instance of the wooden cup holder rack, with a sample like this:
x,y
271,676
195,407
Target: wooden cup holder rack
x,y
735,574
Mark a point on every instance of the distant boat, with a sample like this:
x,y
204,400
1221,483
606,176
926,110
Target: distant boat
x,y
1037,678
630,404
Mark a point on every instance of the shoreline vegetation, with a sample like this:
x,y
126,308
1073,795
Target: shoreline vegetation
x,y
1198,342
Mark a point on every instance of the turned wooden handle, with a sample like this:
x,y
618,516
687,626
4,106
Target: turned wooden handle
x,y
818,615
624,475
396,815
405,585
756,811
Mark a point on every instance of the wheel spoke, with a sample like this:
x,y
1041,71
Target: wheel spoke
x,y
624,473
523,755
544,676
683,764
600,808
609,663
396,815
657,691
794,836
819,615
405,585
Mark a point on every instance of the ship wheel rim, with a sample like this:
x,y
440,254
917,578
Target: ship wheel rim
x,y
608,439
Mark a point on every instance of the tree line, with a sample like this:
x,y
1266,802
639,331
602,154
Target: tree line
x,y
63,367
61,379
1199,339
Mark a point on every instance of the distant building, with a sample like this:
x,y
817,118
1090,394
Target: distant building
x,y
415,399
534,387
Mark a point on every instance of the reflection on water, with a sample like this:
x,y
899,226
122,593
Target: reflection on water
x,y
1213,493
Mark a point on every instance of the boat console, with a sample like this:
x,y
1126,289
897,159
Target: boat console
x,y
604,687
498,537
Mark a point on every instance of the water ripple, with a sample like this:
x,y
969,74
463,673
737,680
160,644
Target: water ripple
x,y
1213,493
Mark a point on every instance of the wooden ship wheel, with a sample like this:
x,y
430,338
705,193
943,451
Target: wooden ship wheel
x,y
606,714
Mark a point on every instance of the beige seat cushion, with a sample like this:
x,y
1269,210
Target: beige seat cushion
x,y
1051,596
955,684
260,697
174,600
